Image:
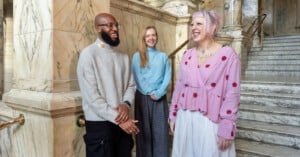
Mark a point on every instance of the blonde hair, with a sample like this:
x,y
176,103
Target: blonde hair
x,y
143,47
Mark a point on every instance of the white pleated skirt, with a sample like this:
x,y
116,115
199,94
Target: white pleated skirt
x,y
196,136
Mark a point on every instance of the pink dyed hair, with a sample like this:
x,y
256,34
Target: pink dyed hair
x,y
212,21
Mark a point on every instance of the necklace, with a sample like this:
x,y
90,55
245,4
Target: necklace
x,y
205,53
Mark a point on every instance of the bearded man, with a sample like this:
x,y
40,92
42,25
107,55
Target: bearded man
x,y
108,88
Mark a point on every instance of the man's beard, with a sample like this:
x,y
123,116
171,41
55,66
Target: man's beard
x,y
108,39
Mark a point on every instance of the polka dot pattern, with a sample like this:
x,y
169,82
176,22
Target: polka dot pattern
x,y
207,75
234,84
223,58
226,77
195,95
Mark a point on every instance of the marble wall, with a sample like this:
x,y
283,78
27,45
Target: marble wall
x,y
8,45
48,37
1,50
134,17
51,36
286,19
268,23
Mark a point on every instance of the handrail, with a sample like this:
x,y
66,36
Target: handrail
x,y
80,121
172,56
178,48
259,23
20,120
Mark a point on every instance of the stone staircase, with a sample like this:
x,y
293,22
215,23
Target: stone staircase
x,y
280,56
269,115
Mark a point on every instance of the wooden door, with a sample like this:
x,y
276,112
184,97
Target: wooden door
x,y
286,17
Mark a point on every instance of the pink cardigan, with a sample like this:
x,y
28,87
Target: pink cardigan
x,y
213,88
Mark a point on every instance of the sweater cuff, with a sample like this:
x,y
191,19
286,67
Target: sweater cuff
x,y
157,95
128,103
227,129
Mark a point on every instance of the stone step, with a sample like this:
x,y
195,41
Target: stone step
x,y
246,148
273,52
281,44
269,133
271,99
294,38
270,87
283,48
282,39
272,73
274,57
272,62
270,114
274,67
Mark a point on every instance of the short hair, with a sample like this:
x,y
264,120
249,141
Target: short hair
x,y
212,20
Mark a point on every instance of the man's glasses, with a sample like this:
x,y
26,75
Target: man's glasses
x,y
110,25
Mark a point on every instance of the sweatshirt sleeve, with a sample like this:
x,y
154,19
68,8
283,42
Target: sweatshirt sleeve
x,y
231,101
131,87
88,87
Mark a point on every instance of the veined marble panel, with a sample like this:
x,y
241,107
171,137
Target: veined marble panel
x,y
32,16
68,15
42,136
180,8
33,61
134,24
77,16
50,124
250,12
48,41
140,8
67,47
6,133
42,102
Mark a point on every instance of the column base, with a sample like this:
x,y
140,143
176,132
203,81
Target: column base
x,y
50,124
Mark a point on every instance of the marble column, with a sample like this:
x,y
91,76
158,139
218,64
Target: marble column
x,y
251,12
180,7
48,36
232,25
8,44
183,9
1,50
233,14
155,3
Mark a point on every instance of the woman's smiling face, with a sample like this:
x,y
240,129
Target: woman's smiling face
x,y
198,29
151,38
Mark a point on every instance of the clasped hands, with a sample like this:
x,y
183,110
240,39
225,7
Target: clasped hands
x,y
125,123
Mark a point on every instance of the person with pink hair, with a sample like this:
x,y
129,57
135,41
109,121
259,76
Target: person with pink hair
x,y
206,97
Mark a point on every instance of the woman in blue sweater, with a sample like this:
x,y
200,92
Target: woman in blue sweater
x,y
152,73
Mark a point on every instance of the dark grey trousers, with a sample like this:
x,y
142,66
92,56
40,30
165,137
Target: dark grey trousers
x,y
105,139
153,138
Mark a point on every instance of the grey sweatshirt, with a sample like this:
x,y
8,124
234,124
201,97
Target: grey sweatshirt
x,y
105,81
